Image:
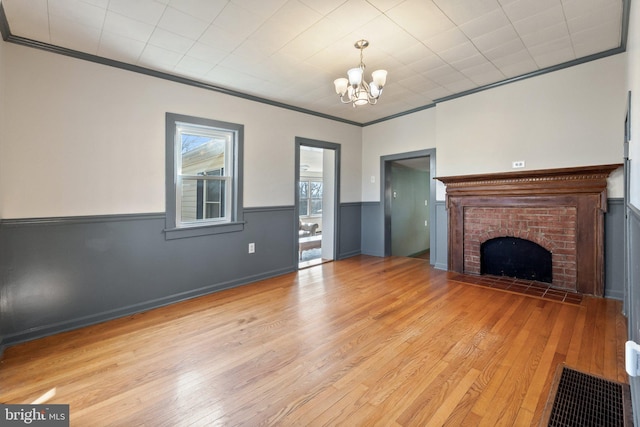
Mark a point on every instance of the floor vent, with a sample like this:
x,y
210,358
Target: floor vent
x,y
584,400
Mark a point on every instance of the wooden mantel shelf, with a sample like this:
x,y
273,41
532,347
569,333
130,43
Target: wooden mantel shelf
x,y
584,179
583,189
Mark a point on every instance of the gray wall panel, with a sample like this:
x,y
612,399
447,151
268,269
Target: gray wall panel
x,y
58,274
373,228
350,220
439,253
614,249
61,274
373,232
633,239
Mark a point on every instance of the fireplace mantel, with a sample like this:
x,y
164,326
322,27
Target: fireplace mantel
x,y
587,179
579,190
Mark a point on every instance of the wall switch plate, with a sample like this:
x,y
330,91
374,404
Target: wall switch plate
x,y
518,164
252,248
373,179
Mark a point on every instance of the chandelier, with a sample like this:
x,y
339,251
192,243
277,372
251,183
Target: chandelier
x,y
355,90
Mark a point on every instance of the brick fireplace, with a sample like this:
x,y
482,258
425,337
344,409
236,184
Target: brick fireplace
x,y
559,209
553,228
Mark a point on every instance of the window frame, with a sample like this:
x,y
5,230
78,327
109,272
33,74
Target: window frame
x,y
174,228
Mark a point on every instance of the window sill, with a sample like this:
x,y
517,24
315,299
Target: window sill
x,y
202,230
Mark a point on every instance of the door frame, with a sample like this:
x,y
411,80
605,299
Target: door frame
x,y
385,178
300,141
628,291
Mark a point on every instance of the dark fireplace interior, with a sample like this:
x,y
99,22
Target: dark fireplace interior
x,y
514,257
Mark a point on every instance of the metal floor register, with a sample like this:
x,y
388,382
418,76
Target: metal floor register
x,y
585,400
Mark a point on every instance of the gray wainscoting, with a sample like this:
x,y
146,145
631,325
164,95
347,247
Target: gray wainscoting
x,y
350,231
614,249
373,228
633,239
439,256
373,232
58,274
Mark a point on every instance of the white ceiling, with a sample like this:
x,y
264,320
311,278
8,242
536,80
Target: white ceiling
x,y
311,160
290,51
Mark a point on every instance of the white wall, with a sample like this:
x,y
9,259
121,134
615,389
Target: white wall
x,y
571,117
88,139
85,139
408,133
327,223
633,76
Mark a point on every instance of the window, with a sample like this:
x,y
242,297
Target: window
x,y
310,197
204,173
203,176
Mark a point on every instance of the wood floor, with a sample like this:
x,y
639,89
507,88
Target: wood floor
x,y
361,342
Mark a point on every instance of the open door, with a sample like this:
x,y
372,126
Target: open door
x,y
316,201
410,208
410,195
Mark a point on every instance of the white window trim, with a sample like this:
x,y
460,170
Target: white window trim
x,y
206,131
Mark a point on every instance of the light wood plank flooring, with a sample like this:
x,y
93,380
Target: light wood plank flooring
x,y
361,342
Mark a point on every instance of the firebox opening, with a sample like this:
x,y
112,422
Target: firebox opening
x,y
514,257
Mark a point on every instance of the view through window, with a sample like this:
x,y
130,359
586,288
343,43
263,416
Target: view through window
x,y
310,197
204,173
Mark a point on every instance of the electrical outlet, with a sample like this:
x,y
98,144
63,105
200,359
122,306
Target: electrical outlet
x,y
252,248
518,164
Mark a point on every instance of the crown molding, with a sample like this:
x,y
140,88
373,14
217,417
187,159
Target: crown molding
x,y
8,37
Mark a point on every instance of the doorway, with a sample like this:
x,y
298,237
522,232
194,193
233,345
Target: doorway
x,y
316,199
409,203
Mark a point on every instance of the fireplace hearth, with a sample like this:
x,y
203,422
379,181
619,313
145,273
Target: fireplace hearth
x,y
560,210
